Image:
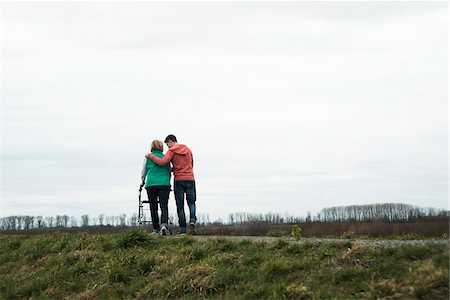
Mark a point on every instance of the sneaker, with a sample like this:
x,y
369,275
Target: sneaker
x,y
163,230
192,230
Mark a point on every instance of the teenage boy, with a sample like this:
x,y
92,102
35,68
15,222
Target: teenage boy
x,y
184,182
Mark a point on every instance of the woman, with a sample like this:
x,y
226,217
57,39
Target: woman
x,y
157,183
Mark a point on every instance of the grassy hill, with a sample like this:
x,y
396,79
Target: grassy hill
x,y
136,265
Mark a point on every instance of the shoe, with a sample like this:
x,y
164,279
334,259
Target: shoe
x,y
163,230
192,230
182,233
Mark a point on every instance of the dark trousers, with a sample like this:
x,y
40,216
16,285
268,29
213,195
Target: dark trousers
x,y
182,187
159,194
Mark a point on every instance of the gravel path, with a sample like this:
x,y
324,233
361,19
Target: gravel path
x,y
368,242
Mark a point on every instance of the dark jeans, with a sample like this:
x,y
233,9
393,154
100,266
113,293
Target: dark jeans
x,y
182,187
159,194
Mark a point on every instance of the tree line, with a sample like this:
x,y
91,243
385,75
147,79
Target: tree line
x,y
386,212
25,222
64,221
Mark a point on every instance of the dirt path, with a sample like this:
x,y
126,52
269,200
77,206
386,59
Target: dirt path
x,y
368,242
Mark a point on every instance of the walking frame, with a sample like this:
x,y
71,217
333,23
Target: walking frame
x,y
141,220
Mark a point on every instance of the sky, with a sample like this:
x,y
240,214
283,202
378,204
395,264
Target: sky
x,y
288,107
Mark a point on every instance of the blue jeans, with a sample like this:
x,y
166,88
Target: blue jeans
x,y
187,187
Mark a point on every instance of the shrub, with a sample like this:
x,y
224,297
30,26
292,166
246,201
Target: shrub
x,y
296,231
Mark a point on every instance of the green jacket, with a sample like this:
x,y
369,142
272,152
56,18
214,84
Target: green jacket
x,y
154,175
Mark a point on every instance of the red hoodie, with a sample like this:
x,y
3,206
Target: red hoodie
x,y
182,161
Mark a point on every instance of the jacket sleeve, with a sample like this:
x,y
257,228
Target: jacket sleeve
x,y
144,170
159,161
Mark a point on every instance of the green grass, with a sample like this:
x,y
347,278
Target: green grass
x,y
137,265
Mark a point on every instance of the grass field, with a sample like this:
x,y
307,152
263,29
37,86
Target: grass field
x,y
136,265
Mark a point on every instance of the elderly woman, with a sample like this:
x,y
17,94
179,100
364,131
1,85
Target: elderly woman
x,y
157,183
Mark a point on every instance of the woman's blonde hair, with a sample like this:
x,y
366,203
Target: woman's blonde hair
x,y
157,145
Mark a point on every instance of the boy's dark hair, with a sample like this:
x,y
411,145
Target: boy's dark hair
x,y
171,137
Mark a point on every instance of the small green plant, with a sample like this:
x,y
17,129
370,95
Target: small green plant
x,y
296,232
298,291
196,253
132,239
118,274
348,235
275,233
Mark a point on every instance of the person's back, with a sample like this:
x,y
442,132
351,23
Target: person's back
x,y
182,162
156,175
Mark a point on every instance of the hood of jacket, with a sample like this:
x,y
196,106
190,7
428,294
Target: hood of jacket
x,y
179,149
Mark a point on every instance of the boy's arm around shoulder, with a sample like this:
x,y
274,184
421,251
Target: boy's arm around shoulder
x,y
161,161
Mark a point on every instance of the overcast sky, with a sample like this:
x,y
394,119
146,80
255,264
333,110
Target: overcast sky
x,y
288,107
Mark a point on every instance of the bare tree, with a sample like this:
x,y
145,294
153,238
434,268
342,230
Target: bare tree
x,y
65,220
133,219
122,219
40,221
10,223
59,221
85,220
73,222
101,217
231,219
28,222
50,221
109,220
